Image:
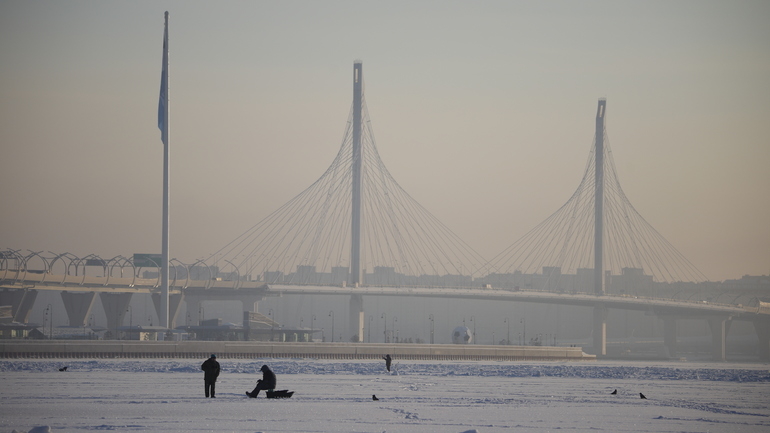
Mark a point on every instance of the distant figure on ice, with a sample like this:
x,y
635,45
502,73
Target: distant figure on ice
x,y
63,369
642,396
374,398
388,360
210,369
267,382
614,392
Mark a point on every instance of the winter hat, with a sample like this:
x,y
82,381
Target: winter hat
x,y
213,356
264,367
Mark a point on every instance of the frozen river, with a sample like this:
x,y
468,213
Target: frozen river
x,y
336,396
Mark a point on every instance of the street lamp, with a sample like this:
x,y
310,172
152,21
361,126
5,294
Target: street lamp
x,y
49,315
331,314
130,312
312,327
385,322
91,325
524,325
300,323
393,330
508,338
272,322
369,337
430,317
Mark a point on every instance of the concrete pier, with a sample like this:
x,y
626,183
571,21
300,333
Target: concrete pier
x,y
78,306
356,319
600,331
719,328
669,335
21,302
115,306
173,306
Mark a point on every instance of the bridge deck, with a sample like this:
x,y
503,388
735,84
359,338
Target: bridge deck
x,y
43,281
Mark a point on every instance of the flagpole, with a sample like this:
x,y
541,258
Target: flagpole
x,y
164,297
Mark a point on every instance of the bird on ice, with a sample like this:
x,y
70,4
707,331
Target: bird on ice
x,y
374,398
614,392
642,396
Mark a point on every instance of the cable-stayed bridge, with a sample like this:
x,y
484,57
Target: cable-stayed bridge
x,y
356,231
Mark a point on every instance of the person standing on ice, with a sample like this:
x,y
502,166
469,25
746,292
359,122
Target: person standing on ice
x,y
267,382
210,369
388,360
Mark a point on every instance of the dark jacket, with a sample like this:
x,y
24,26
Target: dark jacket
x,y
268,378
210,369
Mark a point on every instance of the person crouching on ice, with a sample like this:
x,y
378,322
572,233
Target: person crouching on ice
x,y
267,382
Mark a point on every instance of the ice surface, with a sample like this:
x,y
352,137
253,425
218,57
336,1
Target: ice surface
x,y
336,396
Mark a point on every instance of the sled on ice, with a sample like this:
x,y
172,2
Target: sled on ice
x,y
283,393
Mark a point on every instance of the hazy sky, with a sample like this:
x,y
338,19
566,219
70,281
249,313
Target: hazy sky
x,y
483,112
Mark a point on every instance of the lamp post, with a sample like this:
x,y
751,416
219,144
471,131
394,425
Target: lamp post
x,y
524,326
385,322
272,322
49,315
300,325
430,317
312,327
369,336
130,312
331,314
393,330
508,338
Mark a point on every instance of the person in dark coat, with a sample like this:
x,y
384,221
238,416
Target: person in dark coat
x,y
210,369
267,382
388,360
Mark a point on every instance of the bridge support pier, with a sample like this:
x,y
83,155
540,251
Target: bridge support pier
x,y
251,303
194,311
21,302
669,335
600,330
115,306
356,317
763,333
719,327
173,307
78,306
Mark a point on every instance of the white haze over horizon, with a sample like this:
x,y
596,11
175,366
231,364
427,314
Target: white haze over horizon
x,y
482,111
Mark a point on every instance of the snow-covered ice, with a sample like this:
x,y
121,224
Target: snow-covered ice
x,y
166,395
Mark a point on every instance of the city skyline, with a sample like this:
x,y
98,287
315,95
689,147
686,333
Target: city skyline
x,y
490,141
